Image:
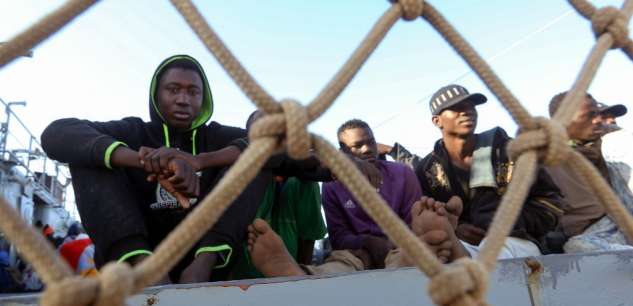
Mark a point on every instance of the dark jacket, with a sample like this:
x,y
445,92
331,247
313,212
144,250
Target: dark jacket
x,y
86,143
542,206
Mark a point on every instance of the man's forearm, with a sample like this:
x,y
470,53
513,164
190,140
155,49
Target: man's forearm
x,y
220,158
125,157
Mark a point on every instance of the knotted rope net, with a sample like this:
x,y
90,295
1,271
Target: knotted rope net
x,y
284,127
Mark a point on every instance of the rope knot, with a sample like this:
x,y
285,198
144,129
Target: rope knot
x,y
293,122
462,283
549,138
298,141
411,9
114,284
612,20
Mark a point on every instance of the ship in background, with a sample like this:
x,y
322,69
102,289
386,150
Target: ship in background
x,y
35,185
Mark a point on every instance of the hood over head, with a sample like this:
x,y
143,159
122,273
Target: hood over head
x,y
206,110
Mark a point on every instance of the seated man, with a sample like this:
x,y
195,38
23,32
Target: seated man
x,y
292,207
476,168
584,222
357,240
115,168
609,113
619,158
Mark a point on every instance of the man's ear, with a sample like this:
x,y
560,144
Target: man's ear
x,y
436,121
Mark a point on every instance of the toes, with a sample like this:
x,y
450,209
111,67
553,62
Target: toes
x,y
440,208
455,205
429,203
444,253
417,208
260,226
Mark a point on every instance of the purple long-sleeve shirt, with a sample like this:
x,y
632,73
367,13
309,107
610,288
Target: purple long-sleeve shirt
x,y
346,219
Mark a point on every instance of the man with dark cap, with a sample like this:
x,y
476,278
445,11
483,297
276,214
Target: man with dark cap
x,y
584,222
618,157
610,112
476,169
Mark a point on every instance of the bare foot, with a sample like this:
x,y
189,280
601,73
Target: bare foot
x,y
268,252
454,208
432,223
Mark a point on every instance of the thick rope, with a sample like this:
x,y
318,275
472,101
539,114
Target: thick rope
x,y
477,63
575,96
285,128
298,139
32,245
231,65
42,29
115,283
344,76
611,20
411,9
603,192
608,19
465,275
199,221
523,177
550,139
375,206
583,7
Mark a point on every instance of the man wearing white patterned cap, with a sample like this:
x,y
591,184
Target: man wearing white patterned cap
x,y
475,169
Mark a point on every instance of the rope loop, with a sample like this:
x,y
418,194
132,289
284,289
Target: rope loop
x,y
549,138
291,125
462,283
297,138
411,9
117,283
114,284
612,20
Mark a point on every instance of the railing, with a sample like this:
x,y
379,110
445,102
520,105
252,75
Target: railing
x,y
20,148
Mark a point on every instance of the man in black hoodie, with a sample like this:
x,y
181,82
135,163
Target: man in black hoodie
x,y
135,181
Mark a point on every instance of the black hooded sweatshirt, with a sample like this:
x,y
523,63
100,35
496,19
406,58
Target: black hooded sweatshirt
x,y
90,144
87,144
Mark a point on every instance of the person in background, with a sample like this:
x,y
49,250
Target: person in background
x,y
584,224
78,251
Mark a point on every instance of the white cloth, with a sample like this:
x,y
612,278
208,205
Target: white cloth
x,y
512,248
604,235
616,149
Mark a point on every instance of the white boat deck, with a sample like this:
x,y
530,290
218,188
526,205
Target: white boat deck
x,y
583,279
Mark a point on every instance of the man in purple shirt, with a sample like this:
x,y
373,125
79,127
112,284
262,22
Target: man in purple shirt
x,y
358,242
349,227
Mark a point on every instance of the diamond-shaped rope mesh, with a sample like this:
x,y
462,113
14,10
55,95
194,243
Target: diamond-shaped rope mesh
x,y
462,283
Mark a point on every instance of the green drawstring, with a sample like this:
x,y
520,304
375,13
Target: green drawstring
x,y
193,139
166,132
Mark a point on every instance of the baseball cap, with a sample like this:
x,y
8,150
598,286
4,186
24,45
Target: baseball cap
x,y
616,110
450,95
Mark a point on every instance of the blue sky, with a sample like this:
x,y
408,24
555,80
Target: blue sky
x,y
99,66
